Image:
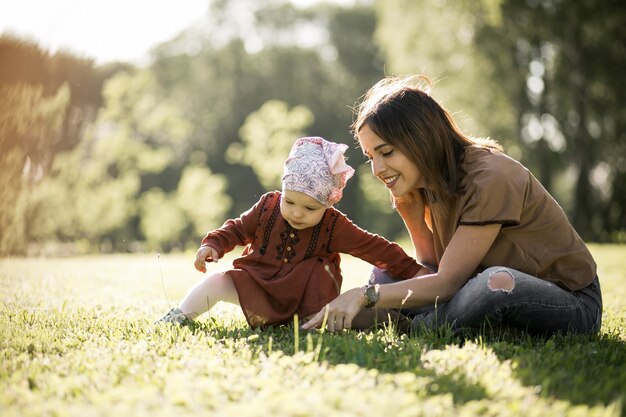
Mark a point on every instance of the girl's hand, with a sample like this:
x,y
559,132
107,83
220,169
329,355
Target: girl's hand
x,y
204,254
341,311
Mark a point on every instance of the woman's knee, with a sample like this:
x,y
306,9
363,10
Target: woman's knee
x,y
487,287
497,279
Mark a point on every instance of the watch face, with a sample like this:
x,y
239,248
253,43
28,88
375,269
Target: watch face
x,y
372,295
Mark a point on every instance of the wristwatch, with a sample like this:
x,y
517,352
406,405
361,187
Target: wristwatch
x,y
371,294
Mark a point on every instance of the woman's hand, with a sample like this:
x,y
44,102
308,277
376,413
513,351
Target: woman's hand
x,y
412,202
204,254
341,311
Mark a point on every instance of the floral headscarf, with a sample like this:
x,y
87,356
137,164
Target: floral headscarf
x,y
317,168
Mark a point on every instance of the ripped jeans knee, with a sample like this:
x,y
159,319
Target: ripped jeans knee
x,y
500,279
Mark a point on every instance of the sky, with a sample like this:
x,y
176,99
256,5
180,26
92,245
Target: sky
x,y
105,30
123,30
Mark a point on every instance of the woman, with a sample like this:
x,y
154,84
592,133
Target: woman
x,y
500,249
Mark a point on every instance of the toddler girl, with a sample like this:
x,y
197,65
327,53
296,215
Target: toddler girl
x,y
291,263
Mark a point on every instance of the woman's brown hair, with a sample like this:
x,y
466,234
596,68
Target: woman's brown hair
x,y
401,112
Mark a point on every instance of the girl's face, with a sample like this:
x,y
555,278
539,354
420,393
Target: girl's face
x,y
390,165
300,210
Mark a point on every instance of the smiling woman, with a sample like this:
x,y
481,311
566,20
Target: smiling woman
x,y
114,30
501,250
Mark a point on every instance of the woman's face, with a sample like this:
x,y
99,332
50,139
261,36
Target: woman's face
x,y
389,165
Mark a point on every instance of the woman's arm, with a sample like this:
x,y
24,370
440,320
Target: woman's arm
x,y
466,250
416,216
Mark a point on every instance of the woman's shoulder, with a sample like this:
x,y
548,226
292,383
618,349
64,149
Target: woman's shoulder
x,y
490,167
480,162
481,158
493,188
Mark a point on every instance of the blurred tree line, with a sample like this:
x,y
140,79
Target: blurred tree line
x,y
123,158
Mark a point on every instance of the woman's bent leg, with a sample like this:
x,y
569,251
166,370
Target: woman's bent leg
x,y
203,296
504,296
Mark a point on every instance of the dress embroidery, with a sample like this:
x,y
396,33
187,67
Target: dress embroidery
x,y
268,228
331,231
262,209
314,238
286,249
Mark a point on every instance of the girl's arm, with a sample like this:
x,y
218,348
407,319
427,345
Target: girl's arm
x,y
349,238
239,231
466,250
205,253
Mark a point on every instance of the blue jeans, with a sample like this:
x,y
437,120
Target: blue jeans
x,y
532,304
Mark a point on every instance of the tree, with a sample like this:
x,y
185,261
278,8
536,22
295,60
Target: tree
x,y
161,220
46,103
28,123
138,137
202,197
438,39
267,137
543,77
25,62
110,177
570,94
321,57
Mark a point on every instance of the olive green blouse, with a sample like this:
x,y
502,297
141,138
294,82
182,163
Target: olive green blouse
x,y
536,236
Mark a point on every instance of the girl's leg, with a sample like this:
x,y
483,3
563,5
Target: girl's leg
x,y
504,296
203,296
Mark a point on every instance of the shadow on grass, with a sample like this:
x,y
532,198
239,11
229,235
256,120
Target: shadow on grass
x,y
587,370
383,350
583,370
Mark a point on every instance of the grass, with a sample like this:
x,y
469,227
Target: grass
x,y
76,339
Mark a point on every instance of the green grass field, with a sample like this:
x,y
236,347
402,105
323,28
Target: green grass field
x,y
76,339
